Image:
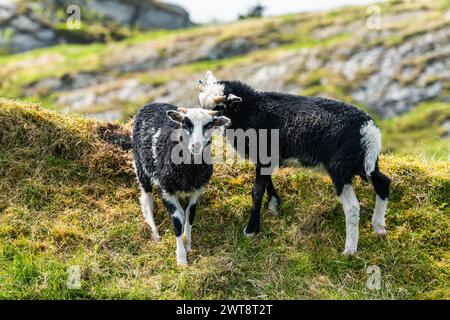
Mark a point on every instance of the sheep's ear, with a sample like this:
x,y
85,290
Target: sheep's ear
x,y
175,116
234,99
221,121
210,77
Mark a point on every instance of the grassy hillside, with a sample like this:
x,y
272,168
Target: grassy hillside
x,y
69,197
421,133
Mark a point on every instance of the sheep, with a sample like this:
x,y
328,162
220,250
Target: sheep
x,y
159,130
312,131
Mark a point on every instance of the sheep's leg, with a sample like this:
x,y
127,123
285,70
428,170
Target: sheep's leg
x,y
176,214
257,194
351,210
146,200
190,215
381,184
272,196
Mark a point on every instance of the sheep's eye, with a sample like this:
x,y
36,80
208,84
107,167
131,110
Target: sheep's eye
x,y
207,127
188,127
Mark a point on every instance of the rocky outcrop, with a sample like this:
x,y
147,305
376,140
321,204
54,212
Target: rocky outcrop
x,y
25,26
22,30
402,76
144,15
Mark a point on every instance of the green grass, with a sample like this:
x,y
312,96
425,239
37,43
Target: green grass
x,y
68,198
419,132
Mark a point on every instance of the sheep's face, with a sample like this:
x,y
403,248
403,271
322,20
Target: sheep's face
x,y
212,96
197,126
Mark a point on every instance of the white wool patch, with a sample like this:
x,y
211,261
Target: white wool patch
x,y
210,91
371,141
155,138
197,115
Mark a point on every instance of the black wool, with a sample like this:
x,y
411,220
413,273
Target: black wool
x,y
152,149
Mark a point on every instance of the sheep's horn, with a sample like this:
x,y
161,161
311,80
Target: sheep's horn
x,y
182,110
210,77
218,99
212,112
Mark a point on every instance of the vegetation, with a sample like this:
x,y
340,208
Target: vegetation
x,y
70,198
420,133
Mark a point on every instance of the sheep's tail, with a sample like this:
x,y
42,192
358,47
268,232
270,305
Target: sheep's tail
x,y
371,143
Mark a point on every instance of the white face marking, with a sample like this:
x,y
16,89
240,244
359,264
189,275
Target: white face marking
x,y
210,91
200,135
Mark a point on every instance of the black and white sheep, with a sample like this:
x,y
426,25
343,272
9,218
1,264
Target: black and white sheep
x,y
312,131
160,134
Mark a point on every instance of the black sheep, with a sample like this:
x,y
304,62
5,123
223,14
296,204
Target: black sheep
x,y
161,132
312,131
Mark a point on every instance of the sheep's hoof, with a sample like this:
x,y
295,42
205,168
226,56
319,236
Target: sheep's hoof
x,y
381,234
155,235
380,231
249,234
182,259
349,252
273,205
188,248
182,263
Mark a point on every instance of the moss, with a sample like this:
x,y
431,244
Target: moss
x,y
70,199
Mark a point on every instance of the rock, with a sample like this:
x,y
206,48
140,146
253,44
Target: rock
x,y
107,93
145,15
149,17
382,92
66,82
21,30
24,26
114,10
